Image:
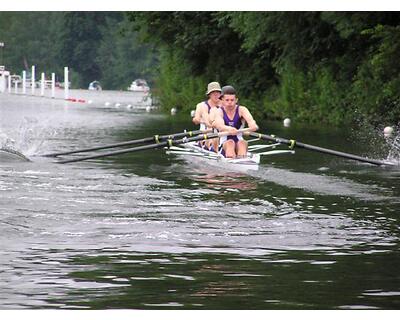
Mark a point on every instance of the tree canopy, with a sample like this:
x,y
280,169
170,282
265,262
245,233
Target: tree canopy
x,y
317,66
94,45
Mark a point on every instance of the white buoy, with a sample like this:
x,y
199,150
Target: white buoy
x,y
129,106
148,109
173,111
192,113
286,122
388,131
90,102
107,104
117,105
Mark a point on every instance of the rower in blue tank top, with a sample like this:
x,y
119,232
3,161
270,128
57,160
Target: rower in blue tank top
x,y
232,117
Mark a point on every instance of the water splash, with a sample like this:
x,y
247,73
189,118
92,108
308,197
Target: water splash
x,y
393,143
30,137
8,151
6,142
376,145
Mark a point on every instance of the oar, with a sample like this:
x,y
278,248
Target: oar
x,y
167,143
294,143
155,138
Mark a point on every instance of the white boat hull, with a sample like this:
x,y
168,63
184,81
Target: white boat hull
x,y
192,150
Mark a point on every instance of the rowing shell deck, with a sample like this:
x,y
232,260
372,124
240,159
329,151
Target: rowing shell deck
x,y
250,162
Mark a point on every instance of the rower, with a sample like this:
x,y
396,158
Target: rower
x,y
203,110
231,117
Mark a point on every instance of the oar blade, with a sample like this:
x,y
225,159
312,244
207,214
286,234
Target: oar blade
x,y
293,143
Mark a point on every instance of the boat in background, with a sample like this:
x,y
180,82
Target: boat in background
x,y
139,85
95,85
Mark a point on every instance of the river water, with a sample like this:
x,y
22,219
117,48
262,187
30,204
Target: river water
x,y
155,231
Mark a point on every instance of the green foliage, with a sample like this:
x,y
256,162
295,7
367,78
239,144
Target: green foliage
x,y
377,82
92,44
177,87
314,96
121,58
75,78
81,36
327,67
31,38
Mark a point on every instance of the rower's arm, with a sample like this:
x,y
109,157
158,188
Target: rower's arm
x,y
218,121
198,116
246,115
211,117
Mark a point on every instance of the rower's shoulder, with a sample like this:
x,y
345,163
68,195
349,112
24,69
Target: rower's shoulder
x,y
217,110
243,108
201,105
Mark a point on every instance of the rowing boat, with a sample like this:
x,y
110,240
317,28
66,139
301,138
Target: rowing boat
x,y
193,151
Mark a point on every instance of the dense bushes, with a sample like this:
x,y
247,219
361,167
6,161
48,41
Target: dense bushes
x,y
320,67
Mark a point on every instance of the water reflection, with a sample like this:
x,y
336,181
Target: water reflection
x,y
231,180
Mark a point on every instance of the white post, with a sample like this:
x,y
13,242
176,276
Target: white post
x,y
42,85
33,81
24,82
66,83
16,86
9,83
53,85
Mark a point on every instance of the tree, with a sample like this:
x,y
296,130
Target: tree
x,y
121,58
81,38
22,49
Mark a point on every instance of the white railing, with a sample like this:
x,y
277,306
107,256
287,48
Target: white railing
x,y
7,82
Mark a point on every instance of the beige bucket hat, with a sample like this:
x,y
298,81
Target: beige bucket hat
x,y
213,86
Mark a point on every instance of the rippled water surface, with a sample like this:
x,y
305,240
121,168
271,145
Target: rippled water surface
x,y
156,231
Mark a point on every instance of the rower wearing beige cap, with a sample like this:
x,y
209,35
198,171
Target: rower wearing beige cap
x,y
203,110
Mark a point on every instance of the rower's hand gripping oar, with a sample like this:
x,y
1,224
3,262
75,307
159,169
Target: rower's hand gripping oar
x,y
155,138
167,143
294,143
